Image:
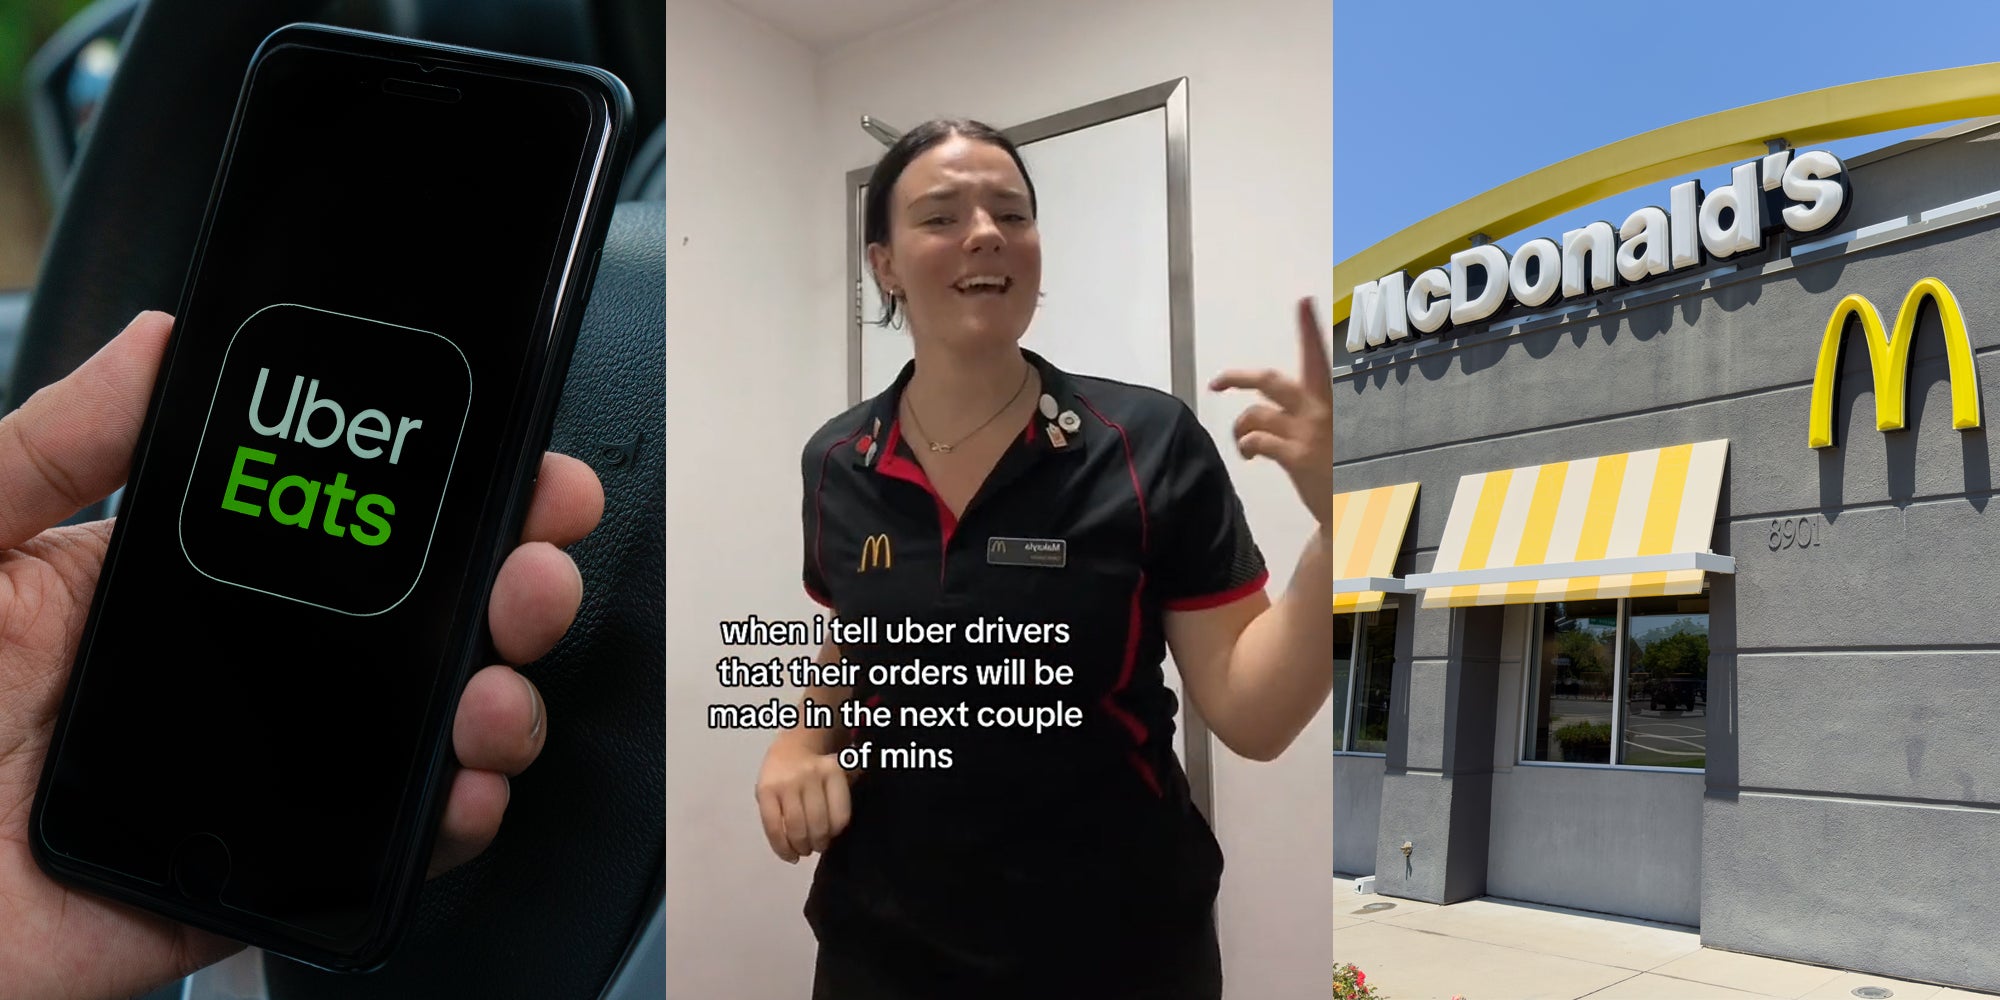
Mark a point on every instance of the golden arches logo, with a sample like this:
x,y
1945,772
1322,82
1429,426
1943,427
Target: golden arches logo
x,y
876,552
1889,360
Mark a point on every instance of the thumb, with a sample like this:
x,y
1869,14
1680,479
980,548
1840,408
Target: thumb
x,y
70,444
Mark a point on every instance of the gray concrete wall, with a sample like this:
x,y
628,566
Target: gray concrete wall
x,y
1851,801
1357,813
1625,842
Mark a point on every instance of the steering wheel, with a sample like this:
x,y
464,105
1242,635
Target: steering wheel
x,y
574,883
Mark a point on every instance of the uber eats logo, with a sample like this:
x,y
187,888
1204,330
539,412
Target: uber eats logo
x,y
322,469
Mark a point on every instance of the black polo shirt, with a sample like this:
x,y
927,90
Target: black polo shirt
x,y
1076,846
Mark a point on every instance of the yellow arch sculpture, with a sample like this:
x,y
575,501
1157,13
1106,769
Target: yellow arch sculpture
x,y
1817,116
1889,359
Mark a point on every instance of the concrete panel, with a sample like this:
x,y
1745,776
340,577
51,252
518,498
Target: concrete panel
x,y
1468,845
1431,628
1771,471
1427,709
1917,725
1468,745
1890,889
1919,576
1624,842
1940,173
1416,807
1357,813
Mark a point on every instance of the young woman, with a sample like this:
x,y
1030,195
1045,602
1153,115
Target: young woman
x,y
1030,832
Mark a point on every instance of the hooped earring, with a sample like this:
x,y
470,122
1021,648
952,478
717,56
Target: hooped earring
x,y
896,298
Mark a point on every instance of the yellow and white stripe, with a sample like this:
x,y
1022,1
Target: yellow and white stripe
x,y
1368,528
1642,503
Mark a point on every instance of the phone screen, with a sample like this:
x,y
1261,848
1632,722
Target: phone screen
x,y
301,553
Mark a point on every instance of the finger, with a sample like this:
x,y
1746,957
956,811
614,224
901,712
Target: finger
x,y
568,502
1315,364
1265,444
1282,389
69,445
839,804
797,837
1264,417
534,601
818,827
502,722
772,814
478,800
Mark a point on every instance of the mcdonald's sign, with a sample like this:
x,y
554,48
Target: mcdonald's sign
x,y
875,552
1889,360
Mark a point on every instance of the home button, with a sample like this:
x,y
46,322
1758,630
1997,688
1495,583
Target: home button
x,y
201,866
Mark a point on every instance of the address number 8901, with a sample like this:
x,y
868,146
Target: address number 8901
x,y
1795,533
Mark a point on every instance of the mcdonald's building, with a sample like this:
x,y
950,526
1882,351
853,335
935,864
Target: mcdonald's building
x,y
1667,548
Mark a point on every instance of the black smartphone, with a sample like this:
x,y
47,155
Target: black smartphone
x,y
363,374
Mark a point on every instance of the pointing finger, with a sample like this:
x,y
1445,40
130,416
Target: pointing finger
x,y
1315,365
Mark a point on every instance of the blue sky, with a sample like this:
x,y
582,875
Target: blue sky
x,y
1437,102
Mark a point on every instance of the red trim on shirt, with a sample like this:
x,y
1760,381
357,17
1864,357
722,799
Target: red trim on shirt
x,y
1203,602
895,466
1134,623
819,512
1126,662
819,598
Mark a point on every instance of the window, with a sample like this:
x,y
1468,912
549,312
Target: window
x,y
1363,664
1621,682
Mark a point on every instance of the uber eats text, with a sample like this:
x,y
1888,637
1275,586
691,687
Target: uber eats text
x,y
255,489
1011,671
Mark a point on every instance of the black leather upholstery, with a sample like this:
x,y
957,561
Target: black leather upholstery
x,y
646,176
545,913
126,229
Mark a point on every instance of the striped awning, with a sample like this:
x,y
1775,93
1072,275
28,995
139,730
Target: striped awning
x,y
1636,524
1368,530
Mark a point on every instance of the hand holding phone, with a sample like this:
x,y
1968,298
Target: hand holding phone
x,y
70,446
281,703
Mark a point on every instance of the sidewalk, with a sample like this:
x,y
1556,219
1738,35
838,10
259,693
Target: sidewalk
x,y
1495,949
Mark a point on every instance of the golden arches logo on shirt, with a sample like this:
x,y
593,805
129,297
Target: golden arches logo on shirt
x,y
876,553
1889,360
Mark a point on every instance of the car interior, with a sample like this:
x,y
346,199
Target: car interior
x,y
131,103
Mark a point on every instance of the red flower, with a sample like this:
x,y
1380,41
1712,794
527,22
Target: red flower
x,y
1360,978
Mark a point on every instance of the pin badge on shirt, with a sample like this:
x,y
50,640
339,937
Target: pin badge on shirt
x,y
1046,553
1048,406
1069,421
1056,437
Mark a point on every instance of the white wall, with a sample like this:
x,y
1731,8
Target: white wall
x,y
749,377
1261,139
762,137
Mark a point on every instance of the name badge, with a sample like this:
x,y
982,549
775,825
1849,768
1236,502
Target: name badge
x,y
1050,553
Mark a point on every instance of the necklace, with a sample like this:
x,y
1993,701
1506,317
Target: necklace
x,y
945,449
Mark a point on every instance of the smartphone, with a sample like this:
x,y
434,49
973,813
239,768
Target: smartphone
x,y
338,453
